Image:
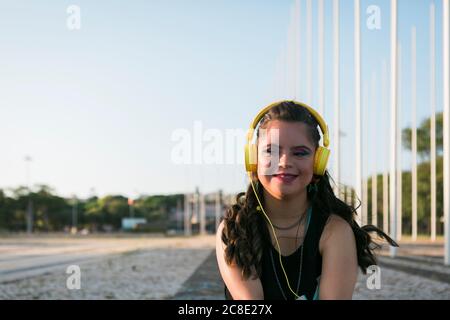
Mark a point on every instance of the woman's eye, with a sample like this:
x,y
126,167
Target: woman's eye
x,y
301,153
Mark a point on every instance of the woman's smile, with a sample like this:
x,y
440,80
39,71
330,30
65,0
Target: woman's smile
x,y
285,178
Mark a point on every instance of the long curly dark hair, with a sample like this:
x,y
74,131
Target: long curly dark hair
x,y
245,232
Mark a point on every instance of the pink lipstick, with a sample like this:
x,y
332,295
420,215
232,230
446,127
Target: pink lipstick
x,y
285,177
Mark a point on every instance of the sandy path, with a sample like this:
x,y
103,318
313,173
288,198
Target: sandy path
x,y
110,268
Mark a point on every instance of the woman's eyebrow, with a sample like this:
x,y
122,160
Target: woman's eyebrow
x,y
296,147
302,146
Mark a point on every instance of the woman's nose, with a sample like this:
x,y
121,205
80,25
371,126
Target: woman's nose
x,y
284,160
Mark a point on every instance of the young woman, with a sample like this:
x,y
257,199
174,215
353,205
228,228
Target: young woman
x,y
289,236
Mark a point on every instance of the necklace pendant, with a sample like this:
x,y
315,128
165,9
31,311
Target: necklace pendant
x,y
303,297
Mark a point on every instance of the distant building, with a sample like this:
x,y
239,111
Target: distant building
x,y
176,214
132,223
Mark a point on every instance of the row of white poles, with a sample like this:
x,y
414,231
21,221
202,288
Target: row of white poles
x,y
292,56
395,199
392,199
414,135
195,210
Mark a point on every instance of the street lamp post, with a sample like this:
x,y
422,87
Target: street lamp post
x,y
131,207
29,216
74,214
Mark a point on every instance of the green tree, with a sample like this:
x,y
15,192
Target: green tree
x,y
423,180
423,137
6,209
108,210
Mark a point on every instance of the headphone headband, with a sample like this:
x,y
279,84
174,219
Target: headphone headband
x,y
323,126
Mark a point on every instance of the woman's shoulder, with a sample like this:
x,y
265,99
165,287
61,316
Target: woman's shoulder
x,y
219,231
220,244
336,221
336,230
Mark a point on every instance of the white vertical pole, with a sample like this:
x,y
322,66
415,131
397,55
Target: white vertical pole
x,y
365,156
433,118
278,79
321,61
346,198
302,54
374,155
218,208
196,207
179,215
274,84
349,195
288,63
393,131
374,199
187,214
358,151
309,52
29,217
399,145
297,48
287,83
414,134
446,89
365,199
202,214
385,202
283,64
291,56
336,93
384,97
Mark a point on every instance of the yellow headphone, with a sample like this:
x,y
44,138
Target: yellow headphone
x,y
251,160
322,153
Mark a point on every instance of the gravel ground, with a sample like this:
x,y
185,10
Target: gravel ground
x,y
149,274
148,269
184,269
396,285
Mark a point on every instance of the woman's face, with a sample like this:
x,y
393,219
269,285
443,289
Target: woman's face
x,y
292,168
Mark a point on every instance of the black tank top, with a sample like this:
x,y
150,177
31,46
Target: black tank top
x,y
311,266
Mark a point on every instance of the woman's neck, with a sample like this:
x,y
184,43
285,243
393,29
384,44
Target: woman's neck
x,y
285,209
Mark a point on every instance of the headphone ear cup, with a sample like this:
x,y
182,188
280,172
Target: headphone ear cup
x,y
321,160
251,157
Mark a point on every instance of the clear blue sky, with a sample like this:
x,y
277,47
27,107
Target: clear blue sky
x,y
96,108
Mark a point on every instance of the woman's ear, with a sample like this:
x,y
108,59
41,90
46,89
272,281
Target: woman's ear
x,y
315,179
